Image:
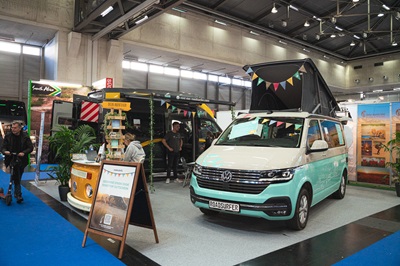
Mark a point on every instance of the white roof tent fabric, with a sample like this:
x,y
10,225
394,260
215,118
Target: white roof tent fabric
x,y
293,85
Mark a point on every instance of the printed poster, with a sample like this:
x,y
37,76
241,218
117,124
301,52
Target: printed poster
x,y
110,206
373,133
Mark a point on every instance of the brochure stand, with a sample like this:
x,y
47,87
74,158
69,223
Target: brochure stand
x,y
121,198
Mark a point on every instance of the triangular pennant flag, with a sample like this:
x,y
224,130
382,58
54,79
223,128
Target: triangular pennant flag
x,y
265,120
173,108
162,102
249,71
276,85
179,111
254,76
168,105
290,81
184,112
279,123
267,84
288,125
297,126
283,84
193,113
303,69
272,122
260,80
189,114
297,75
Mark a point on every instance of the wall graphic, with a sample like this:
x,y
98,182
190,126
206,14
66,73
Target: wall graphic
x,y
41,97
373,131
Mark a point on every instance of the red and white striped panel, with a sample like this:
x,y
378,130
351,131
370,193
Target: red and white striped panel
x,y
90,111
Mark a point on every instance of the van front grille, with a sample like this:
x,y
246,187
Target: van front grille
x,y
242,181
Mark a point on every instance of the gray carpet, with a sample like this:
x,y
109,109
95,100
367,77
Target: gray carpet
x,y
187,237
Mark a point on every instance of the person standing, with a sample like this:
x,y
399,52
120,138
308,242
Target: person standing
x,y
134,151
173,142
17,142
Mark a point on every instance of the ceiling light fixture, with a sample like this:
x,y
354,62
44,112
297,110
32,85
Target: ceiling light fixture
x,y
108,10
179,10
284,23
333,20
293,7
394,43
282,42
326,57
254,33
386,7
220,22
356,36
306,50
141,19
338,28
306,24
274,9
381,14
356,1
357,81
333,35
317,37
352,43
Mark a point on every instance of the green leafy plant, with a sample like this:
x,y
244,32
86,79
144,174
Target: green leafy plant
x,y
393,146
66,142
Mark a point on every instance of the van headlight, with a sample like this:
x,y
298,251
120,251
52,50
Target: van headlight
x,y
197,169
278,175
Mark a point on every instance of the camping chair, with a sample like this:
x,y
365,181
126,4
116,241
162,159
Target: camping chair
x,y
187,170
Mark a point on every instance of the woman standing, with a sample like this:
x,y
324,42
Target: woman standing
x,y
134,151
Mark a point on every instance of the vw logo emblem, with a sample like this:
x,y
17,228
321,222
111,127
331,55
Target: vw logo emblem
x,y
226,176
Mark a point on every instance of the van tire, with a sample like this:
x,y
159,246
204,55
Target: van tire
x,y
339,194
300,218
208,212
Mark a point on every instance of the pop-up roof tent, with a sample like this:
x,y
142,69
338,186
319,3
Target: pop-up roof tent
x,y
293,85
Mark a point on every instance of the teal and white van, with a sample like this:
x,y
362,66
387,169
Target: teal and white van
x,y
273,165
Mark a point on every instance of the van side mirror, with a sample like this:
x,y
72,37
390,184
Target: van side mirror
x,y
318,145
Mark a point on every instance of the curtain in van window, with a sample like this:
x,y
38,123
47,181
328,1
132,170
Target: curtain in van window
x,y
314,133
332,133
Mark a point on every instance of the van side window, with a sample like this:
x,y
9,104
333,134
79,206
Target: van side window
x,y
314,133
332,133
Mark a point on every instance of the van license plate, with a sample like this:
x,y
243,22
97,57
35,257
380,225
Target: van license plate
x,y
232,207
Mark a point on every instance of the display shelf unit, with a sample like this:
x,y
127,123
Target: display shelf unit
x,y
114,136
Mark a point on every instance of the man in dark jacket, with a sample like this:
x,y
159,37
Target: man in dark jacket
x,y
19,143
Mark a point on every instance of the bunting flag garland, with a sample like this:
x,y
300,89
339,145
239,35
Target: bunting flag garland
x,y
118,174
185,112
173,108
168,105
193,114
162,102
276,85
279,123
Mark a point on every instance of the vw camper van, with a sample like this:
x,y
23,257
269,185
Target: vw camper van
x,y
278,162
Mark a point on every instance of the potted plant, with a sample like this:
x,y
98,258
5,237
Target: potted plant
x,y
64,143
393,146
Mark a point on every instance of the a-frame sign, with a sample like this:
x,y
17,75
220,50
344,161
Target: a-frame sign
x,y
121,198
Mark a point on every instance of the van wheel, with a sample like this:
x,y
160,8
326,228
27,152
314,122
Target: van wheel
x,y
300,218
208,212
339,194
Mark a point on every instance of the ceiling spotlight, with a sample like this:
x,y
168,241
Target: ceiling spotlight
x,y
357,81
305,37
284,23
352,43
317,37
371,79
333,35
306,24
365,35
385,77
380,14
356,1
274,9
333,20
394,43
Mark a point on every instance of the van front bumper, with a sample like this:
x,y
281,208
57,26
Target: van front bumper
x,y
272,207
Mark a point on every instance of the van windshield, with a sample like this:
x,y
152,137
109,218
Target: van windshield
x,y
263,131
